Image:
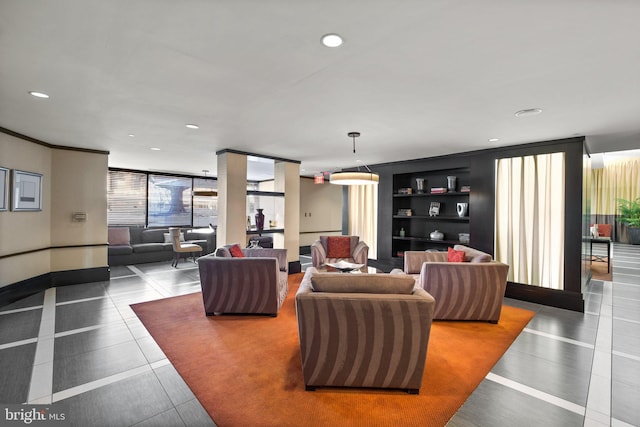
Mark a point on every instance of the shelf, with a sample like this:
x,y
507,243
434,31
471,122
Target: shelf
x,y
433,218
264,193
266,231
452,193
427,240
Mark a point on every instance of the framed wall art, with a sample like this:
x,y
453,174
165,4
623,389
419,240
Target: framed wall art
x,y
27,191
4,188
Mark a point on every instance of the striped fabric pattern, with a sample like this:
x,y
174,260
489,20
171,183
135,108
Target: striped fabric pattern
x,y
463,291
242,285
359,252
363,340
466,291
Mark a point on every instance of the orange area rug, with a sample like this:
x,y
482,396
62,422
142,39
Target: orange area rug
x,y
246,370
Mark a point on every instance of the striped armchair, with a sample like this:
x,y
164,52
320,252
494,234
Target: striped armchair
x,y
472,290
256,283
320,254
363,330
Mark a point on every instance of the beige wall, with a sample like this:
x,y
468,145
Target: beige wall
x,y
70,180
79,185
320,210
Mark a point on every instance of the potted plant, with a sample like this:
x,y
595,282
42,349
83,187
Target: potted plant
x,y
630,215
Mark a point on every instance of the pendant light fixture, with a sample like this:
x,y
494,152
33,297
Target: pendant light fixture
x,y
205,192
354,178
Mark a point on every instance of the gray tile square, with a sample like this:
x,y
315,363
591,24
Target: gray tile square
x,y
123,403
120,271
178,391
550,376
624,403
150,349
94,365
87,313
105,336
194,415
20,326
495,405
30,301
170,418
77,292
15,369
625,370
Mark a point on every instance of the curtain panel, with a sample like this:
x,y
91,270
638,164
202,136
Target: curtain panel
x,y
530,218
616,180
363,215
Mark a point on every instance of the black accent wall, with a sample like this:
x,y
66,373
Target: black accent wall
x,y
481,165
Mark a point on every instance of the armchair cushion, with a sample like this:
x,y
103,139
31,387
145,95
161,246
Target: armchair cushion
x,y
455,256
473,255
338,247
362,283
358,251
236,251
118,236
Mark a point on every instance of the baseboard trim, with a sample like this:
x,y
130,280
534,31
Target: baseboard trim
x,y
561,299
33,285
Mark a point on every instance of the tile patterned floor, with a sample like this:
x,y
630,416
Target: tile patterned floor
x,y
83,346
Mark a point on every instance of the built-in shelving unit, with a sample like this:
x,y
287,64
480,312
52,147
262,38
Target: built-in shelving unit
x,y
273,203
412,231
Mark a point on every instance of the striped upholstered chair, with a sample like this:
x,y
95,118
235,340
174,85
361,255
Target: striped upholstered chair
x,y
331,249
347,323
471,290
256,283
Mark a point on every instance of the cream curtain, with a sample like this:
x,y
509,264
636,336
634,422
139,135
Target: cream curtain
x,y
617,180
363,215
530,218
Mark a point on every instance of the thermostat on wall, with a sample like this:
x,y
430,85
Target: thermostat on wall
x,y
79,216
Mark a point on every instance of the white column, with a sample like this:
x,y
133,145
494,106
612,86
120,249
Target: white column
x,y
287,180
232,198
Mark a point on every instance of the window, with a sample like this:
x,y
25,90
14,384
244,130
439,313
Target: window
x,y
126,198
205,208
169,201
154,200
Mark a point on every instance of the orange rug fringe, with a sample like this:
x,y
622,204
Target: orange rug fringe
x,y
246,370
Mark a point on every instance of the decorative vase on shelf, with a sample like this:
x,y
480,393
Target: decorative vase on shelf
x,y
436,235
248,222
451,183
420,185
462,208
260,220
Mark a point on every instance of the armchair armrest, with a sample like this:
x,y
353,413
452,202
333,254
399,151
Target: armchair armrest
x,y
241,285
279,254
361,253
413,260
318,254
465,291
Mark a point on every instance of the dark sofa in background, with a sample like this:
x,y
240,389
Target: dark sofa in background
x,y
136,245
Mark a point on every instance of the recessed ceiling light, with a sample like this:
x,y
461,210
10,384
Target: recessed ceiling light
x,y
529,112
38,94
155,149
494,139
331,40
192,126
131,135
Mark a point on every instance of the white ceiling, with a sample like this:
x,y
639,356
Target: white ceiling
x,y
417,78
